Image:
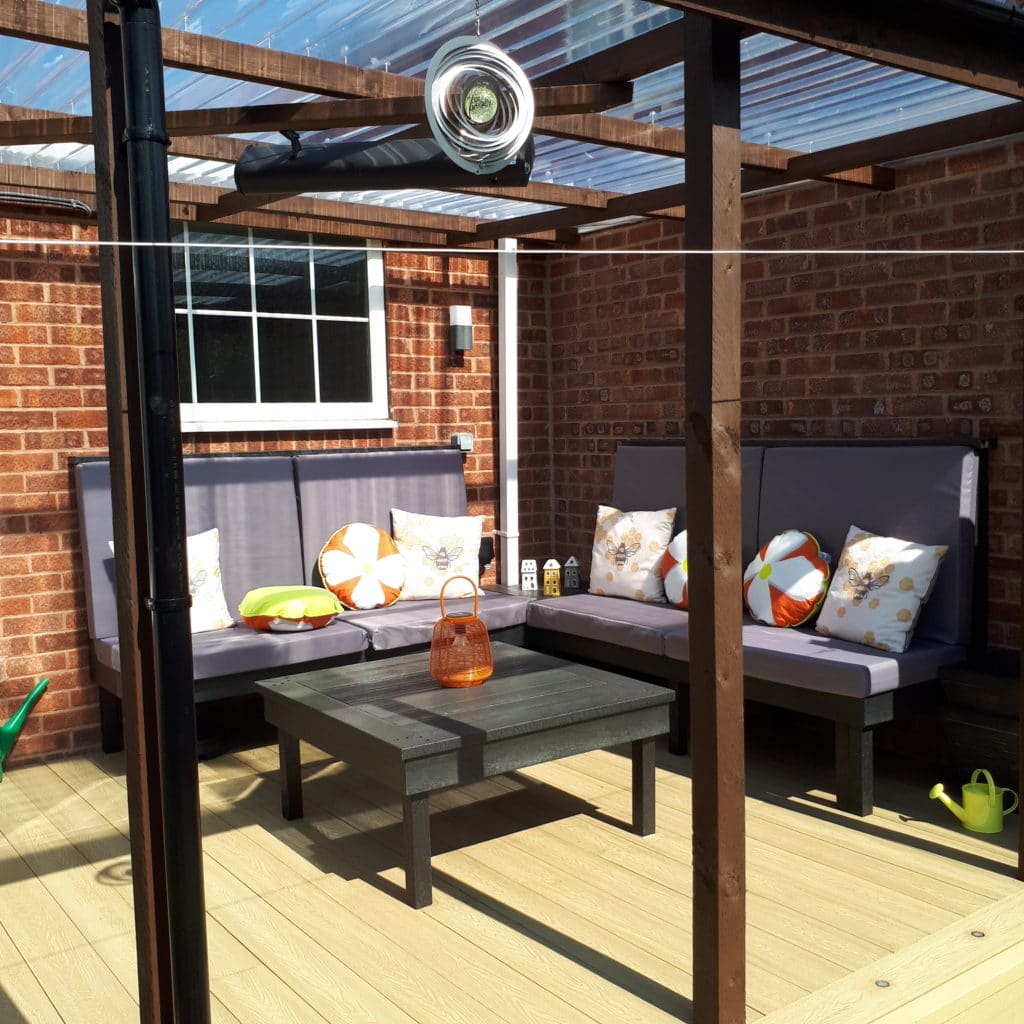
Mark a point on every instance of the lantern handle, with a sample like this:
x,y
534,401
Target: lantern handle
x,y
476,595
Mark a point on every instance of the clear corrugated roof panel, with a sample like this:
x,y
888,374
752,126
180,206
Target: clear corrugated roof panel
x,y
794,96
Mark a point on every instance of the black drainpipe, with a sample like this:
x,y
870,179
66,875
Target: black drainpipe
x,y
169,602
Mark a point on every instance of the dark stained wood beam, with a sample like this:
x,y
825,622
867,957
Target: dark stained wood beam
x,y
653,202
328,212
650,138
962,41
62,26
931,138
651,51
713,473
314,116
228,150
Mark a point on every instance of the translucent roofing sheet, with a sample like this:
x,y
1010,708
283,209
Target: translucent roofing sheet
x,y
793,96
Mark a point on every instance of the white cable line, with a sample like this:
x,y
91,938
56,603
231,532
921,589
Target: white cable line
x,y
436,251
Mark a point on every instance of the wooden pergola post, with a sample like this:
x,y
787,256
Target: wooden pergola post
x,y
713,215
145,802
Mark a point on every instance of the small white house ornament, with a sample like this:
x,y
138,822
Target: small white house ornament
x,y
528,574
572,573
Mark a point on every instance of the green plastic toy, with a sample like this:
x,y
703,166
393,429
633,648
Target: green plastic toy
x,y
9,732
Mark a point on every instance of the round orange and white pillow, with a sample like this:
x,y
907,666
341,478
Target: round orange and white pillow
x,y
362,566
787,581
676,571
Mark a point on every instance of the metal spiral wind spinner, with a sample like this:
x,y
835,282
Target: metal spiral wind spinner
x,y
479,104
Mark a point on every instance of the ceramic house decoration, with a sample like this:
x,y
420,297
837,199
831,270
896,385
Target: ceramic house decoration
x,y
552,578
572,573
528,574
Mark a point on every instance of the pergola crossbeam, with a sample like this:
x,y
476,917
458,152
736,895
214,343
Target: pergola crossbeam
x,y
963,41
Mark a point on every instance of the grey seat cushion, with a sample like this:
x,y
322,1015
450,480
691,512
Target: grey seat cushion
x,y
804,658
652,476
339,488
412,622
925,493
633,624
225,652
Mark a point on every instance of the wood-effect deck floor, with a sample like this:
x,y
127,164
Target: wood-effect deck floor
x,y
544,908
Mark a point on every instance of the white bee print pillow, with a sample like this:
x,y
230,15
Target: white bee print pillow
x,y
628,552
436,548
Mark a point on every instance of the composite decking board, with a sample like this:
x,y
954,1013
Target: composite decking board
x,y
24,998
939,880
914,972
617,1005
324,973
523,831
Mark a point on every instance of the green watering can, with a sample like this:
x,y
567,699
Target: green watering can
x,y
983,809
9,733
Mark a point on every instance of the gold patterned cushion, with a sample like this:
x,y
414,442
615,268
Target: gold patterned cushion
x,y
435,549
878,590
628,552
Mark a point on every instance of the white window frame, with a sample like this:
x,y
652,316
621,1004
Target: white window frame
x,y
214,417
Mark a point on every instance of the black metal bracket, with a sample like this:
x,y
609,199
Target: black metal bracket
x,y
293,137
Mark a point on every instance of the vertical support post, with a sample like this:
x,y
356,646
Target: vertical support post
x,y
713,217
152,396
508,410
138,704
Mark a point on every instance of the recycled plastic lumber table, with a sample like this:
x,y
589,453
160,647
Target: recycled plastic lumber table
x,y
390,719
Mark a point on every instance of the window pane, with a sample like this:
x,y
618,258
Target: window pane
x,y
224,361
340,283
184,359
220,276
344,361
178,261
282,275
286,361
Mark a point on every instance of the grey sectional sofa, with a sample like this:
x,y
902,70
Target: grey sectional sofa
x,y
925,493
274,513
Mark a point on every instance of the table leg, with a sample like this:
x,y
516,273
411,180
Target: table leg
x,y
291,775
416,843
643,787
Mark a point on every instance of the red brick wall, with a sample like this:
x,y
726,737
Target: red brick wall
x,y
890,346
834,346
52,407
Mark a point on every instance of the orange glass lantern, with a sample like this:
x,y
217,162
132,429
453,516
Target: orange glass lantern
x,y
460,651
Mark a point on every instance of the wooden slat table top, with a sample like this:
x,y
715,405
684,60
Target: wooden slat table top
x,y
397,702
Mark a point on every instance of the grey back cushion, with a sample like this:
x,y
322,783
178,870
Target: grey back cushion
x,y
250,500
651,477
363,486
922,493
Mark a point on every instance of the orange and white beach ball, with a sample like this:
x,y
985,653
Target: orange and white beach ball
x,y
676,571
362,566
787,580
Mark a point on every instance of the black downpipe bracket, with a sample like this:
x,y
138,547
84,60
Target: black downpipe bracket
x,y
169,602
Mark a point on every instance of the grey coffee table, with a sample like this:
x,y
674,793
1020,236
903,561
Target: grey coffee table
x,y
390,719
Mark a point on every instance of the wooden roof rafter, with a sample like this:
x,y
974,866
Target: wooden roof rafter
x,y
353,218
963,41
311,116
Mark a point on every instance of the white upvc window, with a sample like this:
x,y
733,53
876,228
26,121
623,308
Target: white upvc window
x,y
275,333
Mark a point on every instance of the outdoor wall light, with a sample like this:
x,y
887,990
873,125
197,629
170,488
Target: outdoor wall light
x,y
460,328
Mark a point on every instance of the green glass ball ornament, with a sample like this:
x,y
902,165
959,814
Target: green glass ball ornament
x,y
480,103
